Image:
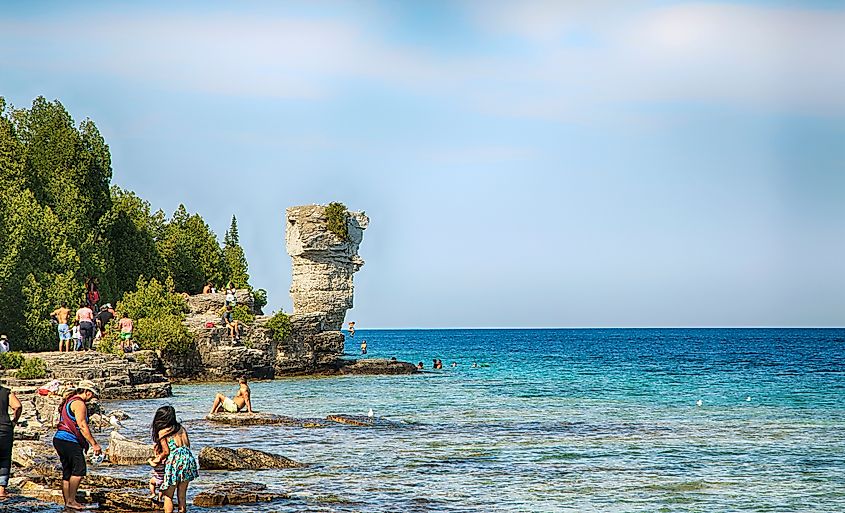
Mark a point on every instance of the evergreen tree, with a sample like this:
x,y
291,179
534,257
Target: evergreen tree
x,y
234,256
191,253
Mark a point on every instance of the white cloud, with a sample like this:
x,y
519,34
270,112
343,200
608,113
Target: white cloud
x,y
750,57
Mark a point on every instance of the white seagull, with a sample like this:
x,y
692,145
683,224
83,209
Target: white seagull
x,y
115,423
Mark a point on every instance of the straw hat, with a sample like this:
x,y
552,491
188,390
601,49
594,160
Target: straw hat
x,y
89,385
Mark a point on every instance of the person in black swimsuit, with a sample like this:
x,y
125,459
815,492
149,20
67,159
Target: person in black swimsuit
x,y
7,426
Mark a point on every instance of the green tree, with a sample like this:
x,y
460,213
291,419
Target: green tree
x,y
130,241
38,270
234,257
192,256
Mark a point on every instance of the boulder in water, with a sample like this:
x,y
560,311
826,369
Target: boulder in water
x,y
123,451
223,458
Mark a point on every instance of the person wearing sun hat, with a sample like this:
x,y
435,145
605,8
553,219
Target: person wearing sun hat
x,y
73,438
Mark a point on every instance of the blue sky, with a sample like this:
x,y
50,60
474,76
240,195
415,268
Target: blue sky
x,y
529,163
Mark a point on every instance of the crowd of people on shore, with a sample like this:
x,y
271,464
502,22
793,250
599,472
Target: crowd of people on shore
x,y
85,328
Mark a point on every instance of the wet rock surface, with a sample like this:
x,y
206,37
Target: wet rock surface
x,y
261,419
124,451
376,366
224,458
235,493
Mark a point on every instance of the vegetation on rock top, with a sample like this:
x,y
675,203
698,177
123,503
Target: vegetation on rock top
x,y
279,326
337,217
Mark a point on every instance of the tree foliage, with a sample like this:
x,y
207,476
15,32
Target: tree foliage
x,y
337,218
279,326
235,260
63,223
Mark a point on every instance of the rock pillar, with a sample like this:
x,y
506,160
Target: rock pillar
x,y
323,264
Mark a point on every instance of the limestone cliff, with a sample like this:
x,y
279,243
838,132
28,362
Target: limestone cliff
x,y
321,288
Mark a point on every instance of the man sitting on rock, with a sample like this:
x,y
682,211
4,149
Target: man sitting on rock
x,y
233,324
235,404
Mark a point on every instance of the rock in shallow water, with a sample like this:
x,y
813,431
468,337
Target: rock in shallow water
x,y
223,458
261,419
226,494
123,451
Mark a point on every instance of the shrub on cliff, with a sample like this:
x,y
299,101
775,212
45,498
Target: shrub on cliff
x,y
158,313
242,313
279,326
110,343
337,217
152,299
166,334
259,299
32,368
11,360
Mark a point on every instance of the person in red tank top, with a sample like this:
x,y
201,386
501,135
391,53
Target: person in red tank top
x,y
73,437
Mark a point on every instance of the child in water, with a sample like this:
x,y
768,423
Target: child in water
x,y
180,467
157,473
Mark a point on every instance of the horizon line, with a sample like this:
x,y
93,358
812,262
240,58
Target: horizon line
x,y
599,328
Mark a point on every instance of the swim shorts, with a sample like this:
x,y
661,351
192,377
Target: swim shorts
x,y
125,335
72,458
230,406
64,332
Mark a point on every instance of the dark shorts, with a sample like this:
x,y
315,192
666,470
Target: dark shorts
x,y
72,458
86,329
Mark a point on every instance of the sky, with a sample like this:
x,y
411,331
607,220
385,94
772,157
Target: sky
x,y
524,164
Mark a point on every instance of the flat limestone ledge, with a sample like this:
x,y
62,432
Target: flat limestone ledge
x,y
262,419
270,419
231,494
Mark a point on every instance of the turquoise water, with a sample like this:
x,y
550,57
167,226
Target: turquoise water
x,y
556,420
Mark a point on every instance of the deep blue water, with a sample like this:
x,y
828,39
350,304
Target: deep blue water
x,y
557,420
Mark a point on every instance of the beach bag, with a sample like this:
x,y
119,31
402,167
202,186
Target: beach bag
x,y
48,388
209,324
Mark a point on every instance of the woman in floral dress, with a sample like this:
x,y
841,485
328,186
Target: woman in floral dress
x,y
180,467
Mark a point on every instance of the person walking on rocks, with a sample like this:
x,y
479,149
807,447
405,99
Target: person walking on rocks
x,y
62,314
85,318
180,466
73,438
8,400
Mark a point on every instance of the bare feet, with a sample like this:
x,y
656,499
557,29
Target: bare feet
x,y
76,505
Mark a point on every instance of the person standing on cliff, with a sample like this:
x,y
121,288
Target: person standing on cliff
x,y
126,327
73,437
62,314
8,400
85,318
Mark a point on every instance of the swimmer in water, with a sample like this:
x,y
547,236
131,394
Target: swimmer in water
x,y
420,366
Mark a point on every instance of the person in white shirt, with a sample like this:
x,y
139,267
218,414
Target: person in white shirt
x,y
4,344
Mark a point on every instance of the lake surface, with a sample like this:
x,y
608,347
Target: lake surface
x,y
554,420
